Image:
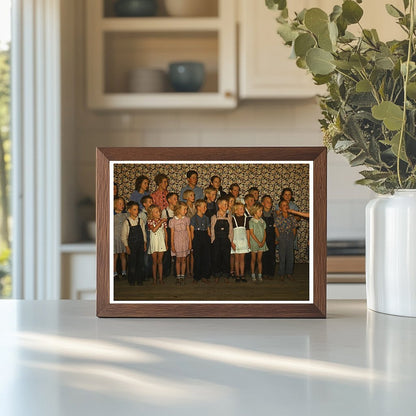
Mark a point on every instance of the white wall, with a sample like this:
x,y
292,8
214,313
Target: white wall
x,y
258,123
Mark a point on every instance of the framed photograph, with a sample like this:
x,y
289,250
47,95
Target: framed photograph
x,y
211,232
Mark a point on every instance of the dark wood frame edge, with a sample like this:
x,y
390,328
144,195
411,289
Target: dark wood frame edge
x,y
317,309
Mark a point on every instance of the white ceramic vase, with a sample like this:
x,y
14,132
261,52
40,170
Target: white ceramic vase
x,y
391,253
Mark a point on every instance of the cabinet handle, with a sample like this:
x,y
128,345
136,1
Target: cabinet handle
x,y
229,94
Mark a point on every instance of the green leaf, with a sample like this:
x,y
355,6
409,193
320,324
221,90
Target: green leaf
x,y
287,33
301,63
384,62
301,15
324,41
359,160
347,37
351,11
276,4
374,175
316,20
342,25
319,61
375,35
336,12
344,65
342,145
411,90
321,79
303,43
394,145
358,61
363,86
391,114
393,11
406,4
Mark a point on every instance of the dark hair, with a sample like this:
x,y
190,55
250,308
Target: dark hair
x,y
266,196
132,204
139,181
284,190
159,178
190,173
114,184
145,198
170,194
234,185
253,188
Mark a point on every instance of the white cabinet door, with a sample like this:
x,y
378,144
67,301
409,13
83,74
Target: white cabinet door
x,y
265,69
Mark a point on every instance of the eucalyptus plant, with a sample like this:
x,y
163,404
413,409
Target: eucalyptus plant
x,y
369,111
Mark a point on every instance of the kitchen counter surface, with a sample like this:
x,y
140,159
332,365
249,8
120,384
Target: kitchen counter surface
x,y
57,358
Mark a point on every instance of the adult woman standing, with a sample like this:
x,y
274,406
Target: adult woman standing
x,y
141,189
216,184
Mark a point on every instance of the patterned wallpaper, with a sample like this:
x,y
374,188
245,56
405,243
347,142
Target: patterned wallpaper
x,y
268,178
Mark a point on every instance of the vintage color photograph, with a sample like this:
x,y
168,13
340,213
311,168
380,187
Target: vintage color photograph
x,y
210,231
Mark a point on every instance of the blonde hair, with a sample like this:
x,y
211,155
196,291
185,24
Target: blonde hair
x,y
235,206
199,202
150,211
178,207
255,208
187,193
209,190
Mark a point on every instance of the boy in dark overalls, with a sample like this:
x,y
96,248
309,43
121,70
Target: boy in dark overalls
x,y
269,256
221,238
134,238
201,242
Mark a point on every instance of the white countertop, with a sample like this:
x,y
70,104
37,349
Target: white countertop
x,y
57,358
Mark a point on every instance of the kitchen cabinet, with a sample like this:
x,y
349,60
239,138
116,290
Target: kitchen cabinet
x,y
265,70
117,45
265,67
78,268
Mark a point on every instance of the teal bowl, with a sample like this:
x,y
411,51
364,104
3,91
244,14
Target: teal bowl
x,y
135,8
186,76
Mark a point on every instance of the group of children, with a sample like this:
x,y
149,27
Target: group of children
x,y
208,232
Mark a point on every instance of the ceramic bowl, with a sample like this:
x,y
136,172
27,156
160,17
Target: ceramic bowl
x,y
191,8
147,80
135,8
186,76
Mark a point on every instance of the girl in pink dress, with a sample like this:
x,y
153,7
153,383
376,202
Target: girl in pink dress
x,y
181,240
158,240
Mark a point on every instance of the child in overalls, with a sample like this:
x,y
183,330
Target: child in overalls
x,y
269,257
120,216
133,235
286,232
221,238
241,236
201,242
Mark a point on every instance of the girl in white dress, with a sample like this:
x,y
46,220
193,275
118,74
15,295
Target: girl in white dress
x,y
239,246
158,240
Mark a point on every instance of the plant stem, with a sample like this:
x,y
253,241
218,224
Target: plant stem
x,y
405,81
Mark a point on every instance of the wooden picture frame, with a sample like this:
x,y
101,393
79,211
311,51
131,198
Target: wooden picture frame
x,y
295,158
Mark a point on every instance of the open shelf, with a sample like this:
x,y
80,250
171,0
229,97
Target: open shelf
x,y
118,45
